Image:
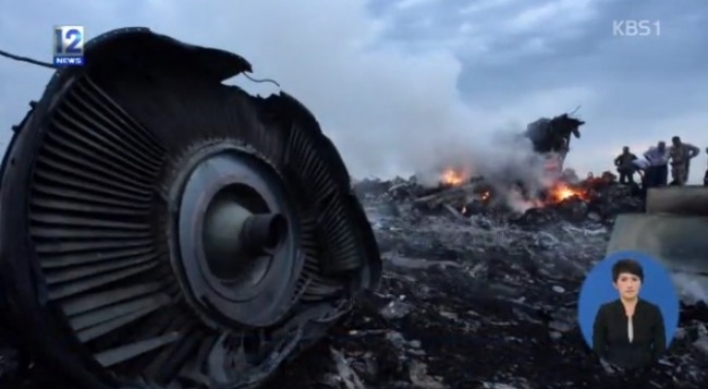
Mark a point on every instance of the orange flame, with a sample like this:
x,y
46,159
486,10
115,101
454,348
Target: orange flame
x,y
452,177
562,191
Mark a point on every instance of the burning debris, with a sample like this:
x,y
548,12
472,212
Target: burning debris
x,y
486,298
453,177
457,190
458,187
481,278
561,191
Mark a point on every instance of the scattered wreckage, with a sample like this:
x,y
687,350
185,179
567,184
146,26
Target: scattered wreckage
x,y
475,290
551,137
161,229
488,299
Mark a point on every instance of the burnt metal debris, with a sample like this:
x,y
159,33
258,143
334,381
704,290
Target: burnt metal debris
x,y
552,136
162,229
489,300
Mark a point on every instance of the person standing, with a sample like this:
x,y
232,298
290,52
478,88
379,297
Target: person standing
x,y
625,166
705,176
681,154
658,171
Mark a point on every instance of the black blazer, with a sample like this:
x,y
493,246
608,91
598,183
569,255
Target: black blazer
x,y
610,337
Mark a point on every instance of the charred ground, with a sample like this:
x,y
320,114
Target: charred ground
x,y
486,301
485,298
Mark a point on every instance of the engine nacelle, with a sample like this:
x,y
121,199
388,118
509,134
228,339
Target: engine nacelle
x,y
160,226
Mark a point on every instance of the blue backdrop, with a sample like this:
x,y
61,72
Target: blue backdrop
x,y
657,288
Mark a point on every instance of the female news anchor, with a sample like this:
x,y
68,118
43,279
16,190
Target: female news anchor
x,y
629,332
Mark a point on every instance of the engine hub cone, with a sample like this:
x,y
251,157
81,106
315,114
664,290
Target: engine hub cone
x,y
235,253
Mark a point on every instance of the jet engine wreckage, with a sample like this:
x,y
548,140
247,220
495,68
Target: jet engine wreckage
x,y
161,227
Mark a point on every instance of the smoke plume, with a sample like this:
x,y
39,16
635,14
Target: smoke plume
x,y
506,160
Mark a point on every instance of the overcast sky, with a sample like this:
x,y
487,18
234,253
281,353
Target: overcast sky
x,y
397,84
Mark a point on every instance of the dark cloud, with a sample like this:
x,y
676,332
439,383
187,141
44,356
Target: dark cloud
x,y
397,84
633,90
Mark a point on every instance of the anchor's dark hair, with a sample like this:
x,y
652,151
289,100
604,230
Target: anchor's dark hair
x,y
627,266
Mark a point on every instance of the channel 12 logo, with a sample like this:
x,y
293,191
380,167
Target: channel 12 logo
x,y
68,46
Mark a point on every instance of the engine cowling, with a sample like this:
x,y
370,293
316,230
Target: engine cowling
x,y
159,226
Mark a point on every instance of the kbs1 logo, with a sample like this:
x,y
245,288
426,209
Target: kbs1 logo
x,y
635,27
68,46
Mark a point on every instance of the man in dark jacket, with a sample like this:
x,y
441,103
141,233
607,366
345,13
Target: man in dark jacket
x,y
705,176
625,166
